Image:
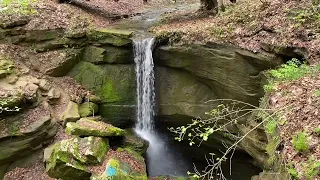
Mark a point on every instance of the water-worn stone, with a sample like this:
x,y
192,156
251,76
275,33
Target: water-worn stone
x,y
88,109
71,114
110,36
88,127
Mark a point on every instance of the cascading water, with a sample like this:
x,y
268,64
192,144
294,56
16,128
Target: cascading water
x,y
160,158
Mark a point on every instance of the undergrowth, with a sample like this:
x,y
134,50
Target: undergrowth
x,y
300,142
17,7
291,71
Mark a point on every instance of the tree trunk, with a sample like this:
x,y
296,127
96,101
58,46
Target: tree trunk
x,y
207,5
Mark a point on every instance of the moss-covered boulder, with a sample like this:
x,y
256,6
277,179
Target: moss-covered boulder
x,y
71,114
67,159
123,164
88,127
110,36
88,109
114,84
62,165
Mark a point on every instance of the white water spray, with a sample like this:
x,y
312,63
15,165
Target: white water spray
x,y
161,160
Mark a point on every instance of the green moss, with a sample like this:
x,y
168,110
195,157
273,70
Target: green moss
x,y
87,127
293,172
271,150
300,142
109,92
110,36
88,109
271,126
62,165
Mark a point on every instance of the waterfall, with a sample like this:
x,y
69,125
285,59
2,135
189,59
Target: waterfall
x,y
161,160
145,84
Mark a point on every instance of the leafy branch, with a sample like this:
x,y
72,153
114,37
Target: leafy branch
x,y
225,115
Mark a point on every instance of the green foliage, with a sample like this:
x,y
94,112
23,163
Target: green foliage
x,y
221,32
307,15
300,142
292,70
17,7
271,126
316,93
317,130
312,169
201,129
293,172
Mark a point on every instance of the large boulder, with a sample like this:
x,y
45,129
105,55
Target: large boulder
x,y
88,127
61,165
67,159
116,86
123,164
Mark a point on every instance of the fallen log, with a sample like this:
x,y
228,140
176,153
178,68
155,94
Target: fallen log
x,y
98,10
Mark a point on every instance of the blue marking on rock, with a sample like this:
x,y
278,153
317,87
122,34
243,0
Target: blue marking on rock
x,y
110,171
